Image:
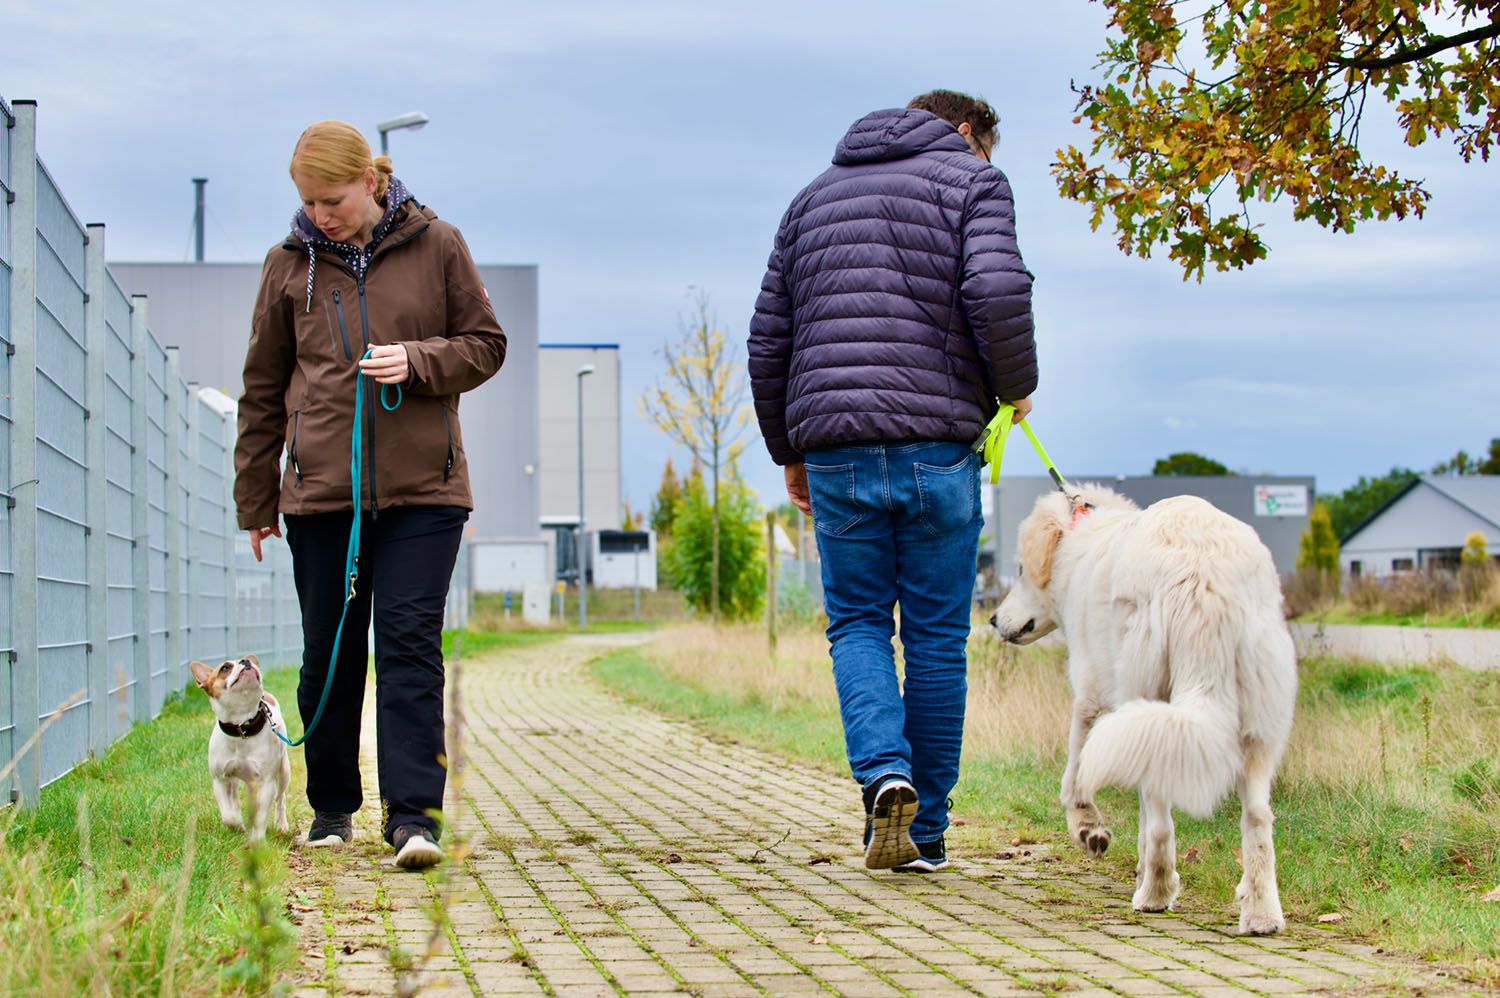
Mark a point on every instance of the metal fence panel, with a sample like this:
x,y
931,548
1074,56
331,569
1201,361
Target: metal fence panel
x,y
62,584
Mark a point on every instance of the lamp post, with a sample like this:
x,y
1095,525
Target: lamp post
x,y
583,594
411,119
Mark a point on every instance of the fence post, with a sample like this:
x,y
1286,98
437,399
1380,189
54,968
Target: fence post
x,y
771,579
140,506
96,533
232,647
25,695
173,504
192,602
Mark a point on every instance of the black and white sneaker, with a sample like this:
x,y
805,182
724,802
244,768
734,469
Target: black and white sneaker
x,y
932,857
415,847
888,824
330,828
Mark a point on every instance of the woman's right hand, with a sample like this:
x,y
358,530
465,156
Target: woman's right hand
x,y
258,534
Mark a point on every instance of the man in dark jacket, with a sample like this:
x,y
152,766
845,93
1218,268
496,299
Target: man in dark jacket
x,y
894,314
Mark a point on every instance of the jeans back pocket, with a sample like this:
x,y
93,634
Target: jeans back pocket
x,y
831,488
949,496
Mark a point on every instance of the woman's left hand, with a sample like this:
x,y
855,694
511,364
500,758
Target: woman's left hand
x,y
386,364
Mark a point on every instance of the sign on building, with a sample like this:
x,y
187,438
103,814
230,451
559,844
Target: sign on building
x,y
1281,500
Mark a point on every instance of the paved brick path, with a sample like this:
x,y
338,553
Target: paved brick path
x,y
616,852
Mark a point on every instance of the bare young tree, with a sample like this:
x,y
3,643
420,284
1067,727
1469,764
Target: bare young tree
x,y
700,401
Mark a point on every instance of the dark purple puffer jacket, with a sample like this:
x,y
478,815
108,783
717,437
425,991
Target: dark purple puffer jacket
x,y
895,306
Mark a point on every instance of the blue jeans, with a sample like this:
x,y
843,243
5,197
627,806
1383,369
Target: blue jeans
x,y
899,523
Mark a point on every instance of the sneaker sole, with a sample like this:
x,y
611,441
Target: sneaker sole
x,y
922,865
328,840
418,853
890,827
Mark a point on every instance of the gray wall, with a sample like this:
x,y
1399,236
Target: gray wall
x,y
1013,498
204,309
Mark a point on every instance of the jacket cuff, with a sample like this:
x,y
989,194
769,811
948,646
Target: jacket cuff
x,y
262,516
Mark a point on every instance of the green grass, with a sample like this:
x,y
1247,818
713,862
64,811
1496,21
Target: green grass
x,y
1344,615
807,728
123,881
609,611
1404,867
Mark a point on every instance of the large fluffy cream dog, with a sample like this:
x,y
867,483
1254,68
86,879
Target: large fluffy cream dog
x,y
1183,673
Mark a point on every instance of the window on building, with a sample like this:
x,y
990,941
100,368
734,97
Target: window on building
x,y
1354,569
1401,564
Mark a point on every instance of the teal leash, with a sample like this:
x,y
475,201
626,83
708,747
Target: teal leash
x,y
351,558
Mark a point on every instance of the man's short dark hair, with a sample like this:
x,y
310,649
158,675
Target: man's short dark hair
x,y
956,108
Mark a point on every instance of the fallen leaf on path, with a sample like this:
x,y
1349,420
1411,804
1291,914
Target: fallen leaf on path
x,y
820,940
820,859
294,906
1330,918
1190,857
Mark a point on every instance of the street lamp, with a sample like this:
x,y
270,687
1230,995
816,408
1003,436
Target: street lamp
x,y
583,592
411,119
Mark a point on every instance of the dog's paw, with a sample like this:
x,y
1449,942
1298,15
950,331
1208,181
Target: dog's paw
x,y
233,823
1094,838
1266,923
1157,893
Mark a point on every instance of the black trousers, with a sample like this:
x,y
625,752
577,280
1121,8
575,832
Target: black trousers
x,y
406,560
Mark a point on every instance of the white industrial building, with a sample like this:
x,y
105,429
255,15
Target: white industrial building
x,y
1423,526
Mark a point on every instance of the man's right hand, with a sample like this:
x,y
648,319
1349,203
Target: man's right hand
x,y
258,534
796,487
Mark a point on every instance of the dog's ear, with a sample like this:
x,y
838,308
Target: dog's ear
x,y
201,674
1039,538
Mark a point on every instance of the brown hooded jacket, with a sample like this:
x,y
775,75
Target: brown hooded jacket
x,y
421,289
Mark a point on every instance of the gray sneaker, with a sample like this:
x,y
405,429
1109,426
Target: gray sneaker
x,y
415,847
888,825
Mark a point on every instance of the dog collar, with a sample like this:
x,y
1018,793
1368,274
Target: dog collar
x,y
244,729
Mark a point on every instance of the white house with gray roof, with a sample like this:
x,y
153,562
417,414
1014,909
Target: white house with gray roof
x,y
1424,525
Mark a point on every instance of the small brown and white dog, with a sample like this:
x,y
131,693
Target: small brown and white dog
x,y
1184,676
242,747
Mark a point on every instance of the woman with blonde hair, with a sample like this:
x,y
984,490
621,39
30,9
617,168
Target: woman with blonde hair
x,y
370,296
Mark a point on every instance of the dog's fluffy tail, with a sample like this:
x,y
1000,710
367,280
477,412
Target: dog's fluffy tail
x,y
1186,751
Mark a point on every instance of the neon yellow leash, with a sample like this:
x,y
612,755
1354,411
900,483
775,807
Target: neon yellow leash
x,y
992,443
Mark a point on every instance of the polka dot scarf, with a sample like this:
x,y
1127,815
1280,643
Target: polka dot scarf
x,y
396,195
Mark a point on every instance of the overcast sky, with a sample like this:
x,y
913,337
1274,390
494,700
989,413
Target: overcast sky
x,y
633,150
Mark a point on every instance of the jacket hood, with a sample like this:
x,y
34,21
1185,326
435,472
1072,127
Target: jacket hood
x,y
897,133
313,239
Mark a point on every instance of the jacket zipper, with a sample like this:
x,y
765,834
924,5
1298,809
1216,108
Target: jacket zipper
x,y
364,321
338,307
448,467
296,425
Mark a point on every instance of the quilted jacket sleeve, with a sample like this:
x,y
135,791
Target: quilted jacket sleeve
x,y
770,355
996,288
